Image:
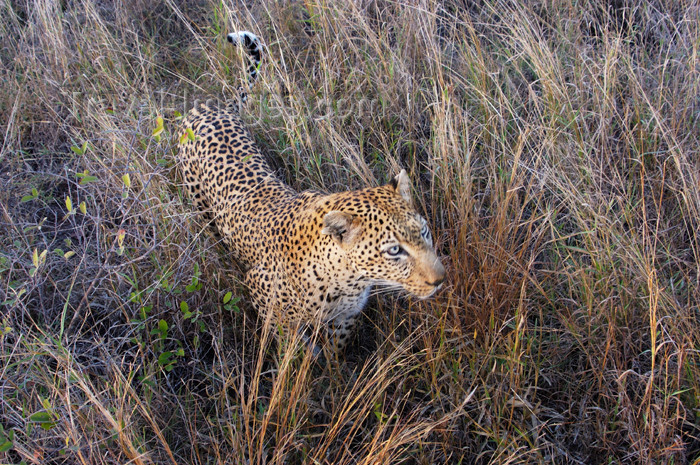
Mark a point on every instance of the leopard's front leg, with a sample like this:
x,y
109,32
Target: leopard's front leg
x,y
275,306
340,330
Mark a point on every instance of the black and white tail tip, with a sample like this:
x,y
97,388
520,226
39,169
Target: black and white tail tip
x,y
251,43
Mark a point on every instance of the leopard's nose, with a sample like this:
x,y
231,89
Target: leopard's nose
x,y
437,275
434,272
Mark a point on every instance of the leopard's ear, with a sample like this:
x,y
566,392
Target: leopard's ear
x,y
402,185
343,227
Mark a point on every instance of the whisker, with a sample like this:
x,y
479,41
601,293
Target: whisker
x,y
385,289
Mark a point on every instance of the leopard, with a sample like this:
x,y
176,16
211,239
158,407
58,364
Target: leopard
x,y
309,259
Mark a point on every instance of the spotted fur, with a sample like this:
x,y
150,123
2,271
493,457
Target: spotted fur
x,y
310,258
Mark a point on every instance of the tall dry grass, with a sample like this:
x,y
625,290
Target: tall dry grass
x,y
554,150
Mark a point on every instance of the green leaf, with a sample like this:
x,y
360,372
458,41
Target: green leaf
x,y
145,310
40,417
231,305
165,361
7,445
69,204
184,307
32,196
85,177
126,179
159,128
227,297
48,425
79,150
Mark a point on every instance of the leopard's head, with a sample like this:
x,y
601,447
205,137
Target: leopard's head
x,y
385,239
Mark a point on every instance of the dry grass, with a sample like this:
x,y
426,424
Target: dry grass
x,y
554,147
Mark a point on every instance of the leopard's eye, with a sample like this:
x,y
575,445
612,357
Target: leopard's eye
x,y
394,251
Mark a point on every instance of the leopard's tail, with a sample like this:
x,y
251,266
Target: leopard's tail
x,y
253,47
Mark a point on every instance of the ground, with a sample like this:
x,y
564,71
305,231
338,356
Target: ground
x,y
553,148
